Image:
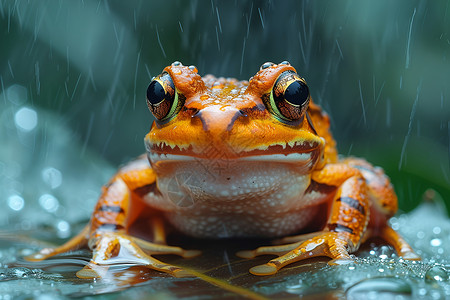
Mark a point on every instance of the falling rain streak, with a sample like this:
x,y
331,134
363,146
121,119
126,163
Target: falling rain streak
x,y
135,78
409,39
362,103
411,119
159,42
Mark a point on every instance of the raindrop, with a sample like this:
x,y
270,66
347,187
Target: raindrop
x,y
17,94
52,177
159,42
49,203
409,40
38,82
261,18
26,119
436,273
218,20
362,103
436,242
16,202
411,119
379,288
63,228
436,230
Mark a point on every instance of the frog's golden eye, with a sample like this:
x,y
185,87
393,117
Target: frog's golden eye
x,y
162,98
289,98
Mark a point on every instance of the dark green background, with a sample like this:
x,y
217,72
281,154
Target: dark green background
x,y
381,69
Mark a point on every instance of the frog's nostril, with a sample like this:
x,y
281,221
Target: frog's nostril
x,y
193,112
218,118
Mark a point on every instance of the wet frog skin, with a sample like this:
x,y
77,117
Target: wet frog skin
x,y
228,158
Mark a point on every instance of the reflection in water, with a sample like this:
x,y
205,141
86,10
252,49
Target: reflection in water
x,y
56,276
377,272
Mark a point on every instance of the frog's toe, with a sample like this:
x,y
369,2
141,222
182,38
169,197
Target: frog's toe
x,y
92,270
154,248
41,255
268,250
115,248
396,240
343,260
77,242
329,244
266,269
298,238
410,255
246,254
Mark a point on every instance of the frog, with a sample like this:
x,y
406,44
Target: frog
x,y
238,159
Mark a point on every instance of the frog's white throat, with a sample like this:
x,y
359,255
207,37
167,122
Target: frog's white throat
x,y
229,192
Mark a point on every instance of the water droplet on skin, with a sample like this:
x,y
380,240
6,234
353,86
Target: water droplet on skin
x,y
266,65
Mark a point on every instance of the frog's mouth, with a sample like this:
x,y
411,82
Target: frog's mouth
x,y
293,153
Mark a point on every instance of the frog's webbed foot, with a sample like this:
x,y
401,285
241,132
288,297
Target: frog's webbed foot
x,y
112,248
334,245
77,242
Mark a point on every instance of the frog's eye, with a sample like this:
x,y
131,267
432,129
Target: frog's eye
x,y
289,98
162,98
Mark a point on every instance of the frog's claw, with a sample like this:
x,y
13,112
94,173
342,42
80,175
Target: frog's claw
x,y
118,248
330,244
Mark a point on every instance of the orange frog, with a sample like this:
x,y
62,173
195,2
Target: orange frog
x,y
228,158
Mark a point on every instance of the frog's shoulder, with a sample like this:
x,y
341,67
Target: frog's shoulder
x,y
321,123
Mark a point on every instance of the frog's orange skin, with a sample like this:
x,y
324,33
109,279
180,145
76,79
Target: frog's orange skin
x,y
225,166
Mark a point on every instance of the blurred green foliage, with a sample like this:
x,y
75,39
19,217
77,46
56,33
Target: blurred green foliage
x,y
381,69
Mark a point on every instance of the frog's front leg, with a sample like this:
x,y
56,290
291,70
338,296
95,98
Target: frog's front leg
x,y
107,235
344,229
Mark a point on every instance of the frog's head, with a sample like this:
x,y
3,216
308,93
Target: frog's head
x,y
222,121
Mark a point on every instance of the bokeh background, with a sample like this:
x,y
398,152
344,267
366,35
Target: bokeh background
x,y
73,77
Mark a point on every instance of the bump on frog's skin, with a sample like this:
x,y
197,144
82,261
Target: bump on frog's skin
x,y
225,166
